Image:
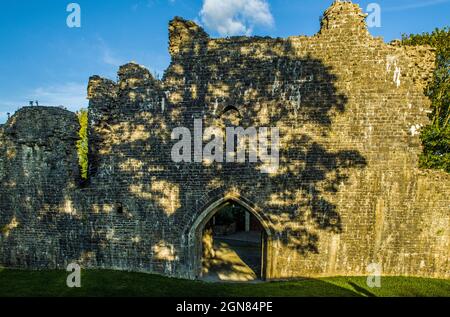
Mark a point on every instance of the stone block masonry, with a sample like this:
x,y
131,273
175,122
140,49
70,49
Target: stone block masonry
x,y
347,193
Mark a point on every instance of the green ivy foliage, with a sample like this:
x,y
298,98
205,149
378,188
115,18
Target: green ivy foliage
x,y
436,136
82,143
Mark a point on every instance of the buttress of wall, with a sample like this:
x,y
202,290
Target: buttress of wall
x,y
39,171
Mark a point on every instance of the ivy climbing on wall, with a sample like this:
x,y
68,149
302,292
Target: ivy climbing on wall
x,y
82,143
436,136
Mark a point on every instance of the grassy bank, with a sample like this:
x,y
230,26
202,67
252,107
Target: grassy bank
x,y
113,283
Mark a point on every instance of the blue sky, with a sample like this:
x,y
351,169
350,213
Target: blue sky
x,y
41,58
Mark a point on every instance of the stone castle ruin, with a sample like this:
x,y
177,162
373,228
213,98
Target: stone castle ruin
x,y
348,191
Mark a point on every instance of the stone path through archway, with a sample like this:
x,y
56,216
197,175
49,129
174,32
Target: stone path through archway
x,y
235,259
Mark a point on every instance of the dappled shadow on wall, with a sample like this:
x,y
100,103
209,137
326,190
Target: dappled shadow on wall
x,y
295,94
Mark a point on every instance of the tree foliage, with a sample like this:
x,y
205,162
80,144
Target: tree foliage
x,y
82,143
436,136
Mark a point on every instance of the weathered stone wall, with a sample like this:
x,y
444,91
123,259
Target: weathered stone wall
x,y
348,191
39,171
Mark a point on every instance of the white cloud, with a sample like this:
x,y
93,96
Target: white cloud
x,y
70,95
235,17
3,117
107,55
10,106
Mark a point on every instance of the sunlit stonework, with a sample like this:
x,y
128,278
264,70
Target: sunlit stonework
x,y
347,192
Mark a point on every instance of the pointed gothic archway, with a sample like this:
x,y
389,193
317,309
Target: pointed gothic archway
x,y
196,233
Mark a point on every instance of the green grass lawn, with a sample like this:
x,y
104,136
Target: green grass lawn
x,y
17,283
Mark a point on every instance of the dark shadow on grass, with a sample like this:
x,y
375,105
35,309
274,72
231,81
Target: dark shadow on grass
x,y
361,290
106,283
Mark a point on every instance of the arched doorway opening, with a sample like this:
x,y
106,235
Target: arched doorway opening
x,y
230,241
